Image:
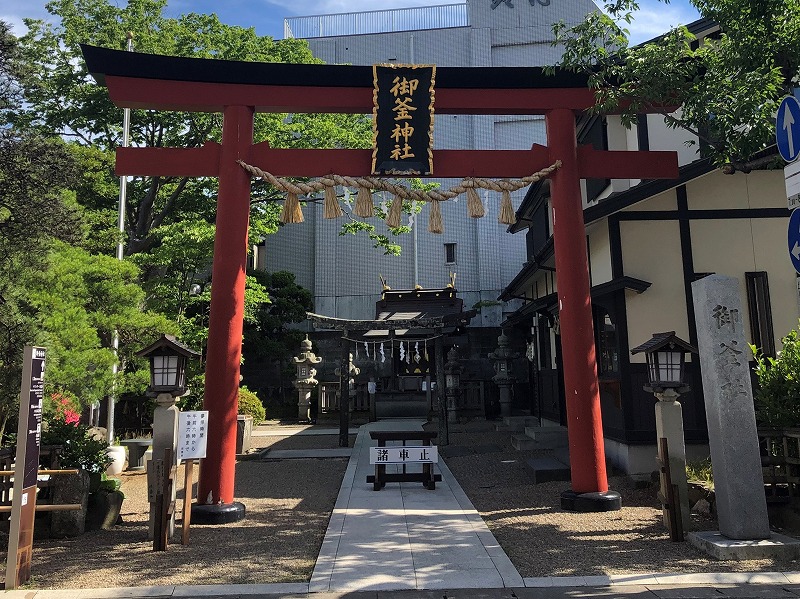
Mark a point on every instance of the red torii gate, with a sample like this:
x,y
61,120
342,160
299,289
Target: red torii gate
x,y
239,89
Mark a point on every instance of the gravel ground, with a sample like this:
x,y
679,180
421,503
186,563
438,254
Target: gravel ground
x,y
543,540
289,504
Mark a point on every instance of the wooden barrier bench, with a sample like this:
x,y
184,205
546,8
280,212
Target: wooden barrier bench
x,y
425,454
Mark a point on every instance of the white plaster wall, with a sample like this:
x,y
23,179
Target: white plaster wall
x,y
716,191
618,140
663,138
765,189
651,251
600,253
662,201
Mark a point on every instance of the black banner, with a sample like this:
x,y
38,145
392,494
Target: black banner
x,y
32,437
402,120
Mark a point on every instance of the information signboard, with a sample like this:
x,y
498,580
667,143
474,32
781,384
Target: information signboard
x,y
791,174
23,503
192,434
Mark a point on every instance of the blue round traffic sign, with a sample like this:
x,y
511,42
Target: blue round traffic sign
x,y
794,238
787,128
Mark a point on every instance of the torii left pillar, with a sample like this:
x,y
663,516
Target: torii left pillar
x,y
215,503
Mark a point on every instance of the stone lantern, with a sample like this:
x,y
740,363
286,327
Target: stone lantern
x,y
666,372
452,372
305,378
168,358
502,358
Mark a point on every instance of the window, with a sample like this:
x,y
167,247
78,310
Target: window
x,y
450,253
760,312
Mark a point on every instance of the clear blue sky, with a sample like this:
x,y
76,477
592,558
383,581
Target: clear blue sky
x,y
267,16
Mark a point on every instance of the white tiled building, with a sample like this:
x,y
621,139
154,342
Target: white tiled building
x,y
343,272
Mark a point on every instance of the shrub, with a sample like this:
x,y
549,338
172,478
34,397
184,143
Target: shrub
x,y
250,405
777,399
80,448
110,485
700,472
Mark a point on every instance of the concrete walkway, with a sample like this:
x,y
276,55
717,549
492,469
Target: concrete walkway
x,y
405,536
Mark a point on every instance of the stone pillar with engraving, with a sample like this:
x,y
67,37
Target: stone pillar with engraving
x,y
305,382
733,439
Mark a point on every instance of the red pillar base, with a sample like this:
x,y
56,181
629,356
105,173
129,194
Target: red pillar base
x,y
218,513
608,501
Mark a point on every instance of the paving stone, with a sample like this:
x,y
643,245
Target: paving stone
x,y
685,592
765,591
454,451
566,592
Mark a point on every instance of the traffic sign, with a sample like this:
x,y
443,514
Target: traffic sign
x,y
794,239
787,128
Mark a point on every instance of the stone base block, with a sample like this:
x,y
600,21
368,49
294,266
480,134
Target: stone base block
x,y
610,501
721,547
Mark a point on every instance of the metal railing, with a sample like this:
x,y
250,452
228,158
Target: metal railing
x,y
377,21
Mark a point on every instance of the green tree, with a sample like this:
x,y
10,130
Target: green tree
x,y
35,207
728,87
80,300
268,337
63,101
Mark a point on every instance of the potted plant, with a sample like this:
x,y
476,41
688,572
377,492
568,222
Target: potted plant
x,y
105,505
251,411
117,455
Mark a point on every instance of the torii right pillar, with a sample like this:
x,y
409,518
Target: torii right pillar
x,y
589,492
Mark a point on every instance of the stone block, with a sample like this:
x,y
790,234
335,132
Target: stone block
x,y
67,489
523,442
548,436
548,468
721,547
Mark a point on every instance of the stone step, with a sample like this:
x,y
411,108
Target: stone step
x,y
515,424
561,454
548,468
548,436
523,442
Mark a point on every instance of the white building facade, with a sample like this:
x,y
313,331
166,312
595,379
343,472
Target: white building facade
x,y
343,271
